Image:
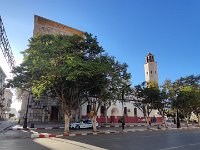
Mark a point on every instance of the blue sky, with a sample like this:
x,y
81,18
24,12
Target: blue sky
x,y
127,29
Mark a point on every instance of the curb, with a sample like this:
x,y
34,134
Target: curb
x,y
36,128
43,135
132,125
106,126
76,134
46,135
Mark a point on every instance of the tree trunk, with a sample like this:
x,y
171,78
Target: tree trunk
x,y
198,120
106,116
94,123
67,120
187,120
163,118
147,121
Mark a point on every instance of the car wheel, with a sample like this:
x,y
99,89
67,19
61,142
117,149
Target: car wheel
x,y
77,127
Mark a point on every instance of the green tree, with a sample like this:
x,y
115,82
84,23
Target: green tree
x,y
196,104
185,97
64,66
146,99
107,88
166,95
185,101
11,115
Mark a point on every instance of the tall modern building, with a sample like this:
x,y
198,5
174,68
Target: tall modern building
x,y
150,68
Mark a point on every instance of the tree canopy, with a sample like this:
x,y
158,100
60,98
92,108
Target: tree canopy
x,y
69,68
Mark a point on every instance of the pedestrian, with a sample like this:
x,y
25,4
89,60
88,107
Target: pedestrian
x,y
123,123
174,121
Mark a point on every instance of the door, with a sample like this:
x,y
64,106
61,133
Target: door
x,y
54,113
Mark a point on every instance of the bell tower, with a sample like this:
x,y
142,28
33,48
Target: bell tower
x,y
150,68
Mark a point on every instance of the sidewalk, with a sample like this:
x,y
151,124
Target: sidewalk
x,y
43,126
59,133
56,130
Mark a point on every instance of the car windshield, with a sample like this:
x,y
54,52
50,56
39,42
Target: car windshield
x,y
87,121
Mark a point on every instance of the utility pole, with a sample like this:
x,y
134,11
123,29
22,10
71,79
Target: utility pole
x,y
123,118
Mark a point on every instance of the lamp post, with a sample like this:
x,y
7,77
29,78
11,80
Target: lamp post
x,y
26,114
123,120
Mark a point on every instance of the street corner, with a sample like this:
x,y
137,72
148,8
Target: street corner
x,y
69,134
15,134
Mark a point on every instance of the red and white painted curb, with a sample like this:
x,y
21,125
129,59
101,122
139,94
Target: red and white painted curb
x,y
46,135
43,135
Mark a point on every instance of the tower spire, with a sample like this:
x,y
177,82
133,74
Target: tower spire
x,y
150,68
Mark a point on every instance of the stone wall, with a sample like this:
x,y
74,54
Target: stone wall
x,y
46,26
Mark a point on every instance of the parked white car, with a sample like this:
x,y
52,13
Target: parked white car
x,y
82,124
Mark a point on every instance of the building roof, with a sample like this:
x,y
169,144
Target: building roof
x,y
149,54
43,21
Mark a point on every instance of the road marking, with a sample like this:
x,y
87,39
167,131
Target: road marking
x,y
19,146
110,139
195,144
175,147
25,131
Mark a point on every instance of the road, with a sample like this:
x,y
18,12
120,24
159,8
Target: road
x,y
146,140
6,123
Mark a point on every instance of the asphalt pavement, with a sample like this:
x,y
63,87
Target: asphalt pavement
x,y
180,139
147,140
4,124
